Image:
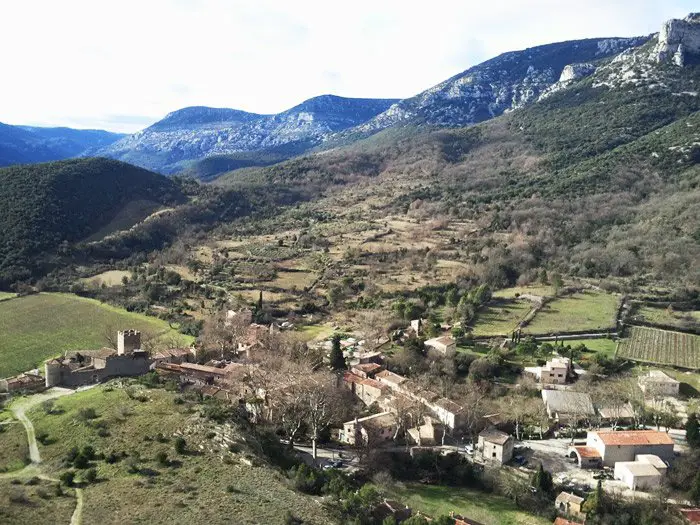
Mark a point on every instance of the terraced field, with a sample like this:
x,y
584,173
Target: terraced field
x,y
663,347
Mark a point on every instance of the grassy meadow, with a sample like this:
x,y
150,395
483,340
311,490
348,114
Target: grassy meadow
x,y
14,452
500,317
35,327
489,509
606,347
203,485
594,311
35,501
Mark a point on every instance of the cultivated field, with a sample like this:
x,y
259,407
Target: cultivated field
x,y
599,346
36,327
436,500
663,347
662,316
109,278
594,311
203,485
539,290
500,317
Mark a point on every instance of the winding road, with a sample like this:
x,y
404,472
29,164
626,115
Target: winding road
x,y
19,408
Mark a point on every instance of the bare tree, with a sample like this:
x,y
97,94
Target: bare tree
x,y
322,402
517,409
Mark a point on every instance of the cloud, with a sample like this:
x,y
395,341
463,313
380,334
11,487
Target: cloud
x,y
89,62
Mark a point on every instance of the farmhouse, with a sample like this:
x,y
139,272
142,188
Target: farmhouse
x,y
610,447
369,430
445,344
496,446
657,383
554,372
565,406
366,370
429,433
368,390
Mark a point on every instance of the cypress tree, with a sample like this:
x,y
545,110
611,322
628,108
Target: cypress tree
x,y
692,431
337,360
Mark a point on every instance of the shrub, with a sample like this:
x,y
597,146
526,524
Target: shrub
x,y
90,475
67,478
180,445
87,414
162,459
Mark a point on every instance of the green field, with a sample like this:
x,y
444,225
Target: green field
x,y
662,347
36,327
14,452
6,295
437,500
34,503
541,290
600,346
204,485
500,317
592,311
663,316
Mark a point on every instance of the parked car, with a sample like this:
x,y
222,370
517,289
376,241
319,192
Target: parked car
x,y
469,449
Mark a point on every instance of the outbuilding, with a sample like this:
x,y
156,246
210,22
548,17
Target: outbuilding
x,y
496,446
638,474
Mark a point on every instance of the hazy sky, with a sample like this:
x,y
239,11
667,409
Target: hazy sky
x,y
121,65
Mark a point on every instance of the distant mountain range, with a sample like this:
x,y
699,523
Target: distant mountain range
x,y
197,132
28,144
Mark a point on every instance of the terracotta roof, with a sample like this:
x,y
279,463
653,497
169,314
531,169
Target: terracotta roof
x,y
372,383
494,436
367,367
635,437
692,515
349,377
390,377
587,452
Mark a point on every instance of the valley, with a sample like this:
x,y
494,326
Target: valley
x,y
470,305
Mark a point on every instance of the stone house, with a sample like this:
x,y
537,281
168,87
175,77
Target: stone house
x,y
366,370
496,446
569,505
657,383
22,383
370,430
448,412
368,390
427,434
564,406
392,380
445,344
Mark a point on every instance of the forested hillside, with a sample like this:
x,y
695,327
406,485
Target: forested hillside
x,y
597,180
45,205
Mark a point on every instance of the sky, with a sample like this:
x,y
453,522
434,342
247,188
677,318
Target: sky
x,y
122,65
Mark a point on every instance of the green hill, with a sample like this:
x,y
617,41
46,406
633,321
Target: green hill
x,y
45,205
37,327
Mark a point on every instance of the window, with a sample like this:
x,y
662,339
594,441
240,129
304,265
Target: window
x,y
493,455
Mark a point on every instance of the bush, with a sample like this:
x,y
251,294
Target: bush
x,y
162,459
67,478
180,445
87,414
90,475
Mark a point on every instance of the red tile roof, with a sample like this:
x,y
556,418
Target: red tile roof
x,y
372,383
635,437
391,377
368,367
692,515
587,452
351,378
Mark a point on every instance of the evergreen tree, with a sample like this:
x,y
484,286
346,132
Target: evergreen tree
x,y
595,503
542,480
692,431
337,360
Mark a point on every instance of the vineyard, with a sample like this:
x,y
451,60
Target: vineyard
x,y
662,347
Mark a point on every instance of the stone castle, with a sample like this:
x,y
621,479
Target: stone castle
x,y
93,366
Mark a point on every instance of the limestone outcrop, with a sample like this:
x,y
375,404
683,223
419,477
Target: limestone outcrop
x,y
677,39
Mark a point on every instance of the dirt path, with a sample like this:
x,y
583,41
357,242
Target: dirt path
x,y
19,409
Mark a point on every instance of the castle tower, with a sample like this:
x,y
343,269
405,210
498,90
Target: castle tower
x,y
128,341
52,373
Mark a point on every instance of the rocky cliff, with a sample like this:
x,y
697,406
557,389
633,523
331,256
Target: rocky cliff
x,y
678,39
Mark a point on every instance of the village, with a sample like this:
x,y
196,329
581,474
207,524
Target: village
x,y
582,439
